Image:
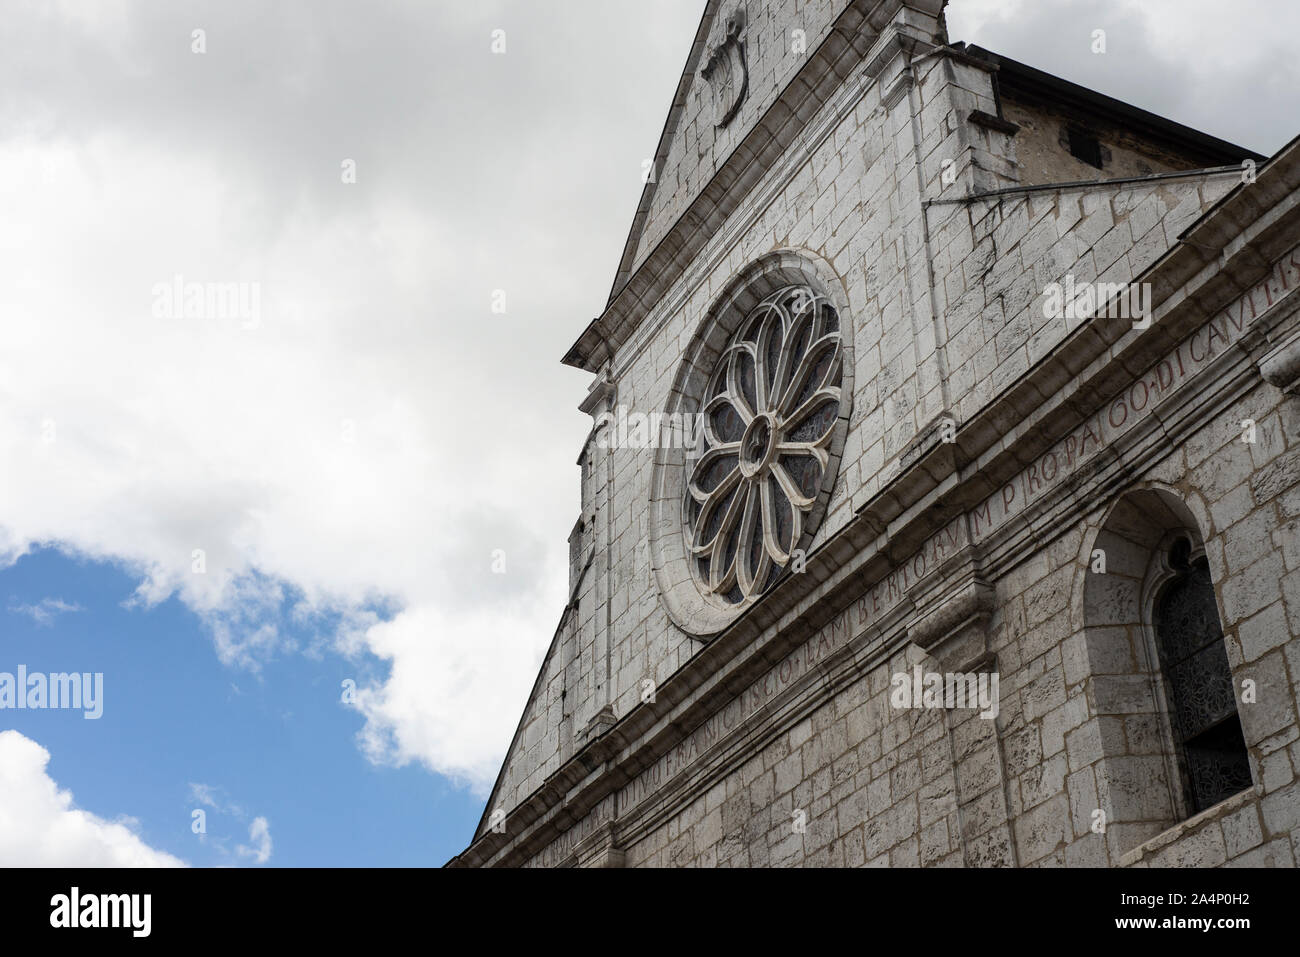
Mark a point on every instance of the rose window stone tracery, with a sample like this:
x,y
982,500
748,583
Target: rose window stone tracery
x,y
770,413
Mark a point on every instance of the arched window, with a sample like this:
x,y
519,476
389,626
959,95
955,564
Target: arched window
x,y
1157,674
1210,748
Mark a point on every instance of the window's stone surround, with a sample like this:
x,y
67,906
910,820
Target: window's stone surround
x,y
690,610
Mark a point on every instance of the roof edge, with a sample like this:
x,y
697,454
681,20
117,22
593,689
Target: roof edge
x,y
684,85
1038,85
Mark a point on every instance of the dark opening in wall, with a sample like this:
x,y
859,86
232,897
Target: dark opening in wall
x,y
1213,760
1084,146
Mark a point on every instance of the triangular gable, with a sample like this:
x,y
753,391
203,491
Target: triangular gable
x,y
684,85
757,73
535,697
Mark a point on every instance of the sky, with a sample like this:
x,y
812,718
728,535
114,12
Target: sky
x,y
311,527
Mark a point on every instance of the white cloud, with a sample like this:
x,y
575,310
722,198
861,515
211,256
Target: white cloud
x,y
46,610
40,826
259,829
447,669
215,798
142,440
351,462
259,833
333,452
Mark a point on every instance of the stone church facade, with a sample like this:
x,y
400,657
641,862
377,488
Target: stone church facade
x,y
942,501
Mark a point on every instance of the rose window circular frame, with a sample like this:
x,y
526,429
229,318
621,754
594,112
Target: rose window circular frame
x,y
771,416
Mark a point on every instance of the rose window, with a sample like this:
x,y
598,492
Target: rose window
x,y
769,417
